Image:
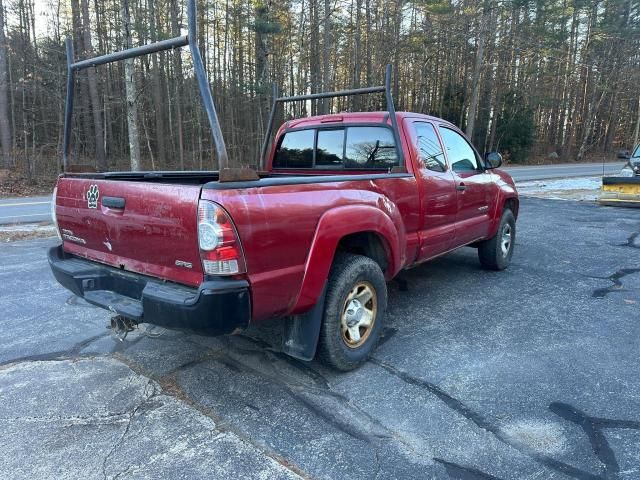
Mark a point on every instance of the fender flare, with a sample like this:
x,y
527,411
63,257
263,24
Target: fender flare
x,y
506,193
332,227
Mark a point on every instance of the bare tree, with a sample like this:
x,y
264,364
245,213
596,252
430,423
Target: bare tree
x,y
636,131
477,70
131,90
101,161
5,127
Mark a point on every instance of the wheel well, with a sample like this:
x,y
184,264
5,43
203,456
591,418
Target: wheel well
x,y
368,244
511,204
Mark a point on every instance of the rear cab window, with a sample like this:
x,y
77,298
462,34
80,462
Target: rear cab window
x,y
348,148
296,150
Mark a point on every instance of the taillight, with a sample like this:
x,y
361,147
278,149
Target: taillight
x,y
220,249
54,218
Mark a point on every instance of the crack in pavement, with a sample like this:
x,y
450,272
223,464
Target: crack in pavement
x,y
60,355
132,414
485,424
169,386
616,278
592,427
459,472
297,391
631,241
72,353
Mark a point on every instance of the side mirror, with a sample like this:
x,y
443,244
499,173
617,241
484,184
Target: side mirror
x,y
493,160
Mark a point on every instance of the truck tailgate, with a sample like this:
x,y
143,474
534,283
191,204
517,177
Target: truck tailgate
x,y
147,228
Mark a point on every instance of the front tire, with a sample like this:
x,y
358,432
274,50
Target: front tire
x,y
354,310
496,253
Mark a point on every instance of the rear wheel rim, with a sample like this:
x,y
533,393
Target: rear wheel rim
x,y
506,239
359,314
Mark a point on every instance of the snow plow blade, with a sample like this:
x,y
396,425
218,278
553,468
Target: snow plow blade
x,y
620,192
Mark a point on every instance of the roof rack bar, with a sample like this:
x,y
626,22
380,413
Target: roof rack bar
x,y
132,52
201,76
205,89
392,113
386,89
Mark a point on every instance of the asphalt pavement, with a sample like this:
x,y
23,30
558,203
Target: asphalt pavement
x,y
530,373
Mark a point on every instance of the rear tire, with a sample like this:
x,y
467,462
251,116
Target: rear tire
x,y
496,253
353,313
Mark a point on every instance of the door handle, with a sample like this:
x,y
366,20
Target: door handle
x,y
462,187
113,202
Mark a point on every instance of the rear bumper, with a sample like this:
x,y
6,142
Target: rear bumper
x,y
217,307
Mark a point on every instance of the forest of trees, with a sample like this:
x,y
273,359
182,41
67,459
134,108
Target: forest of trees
x,y
533,79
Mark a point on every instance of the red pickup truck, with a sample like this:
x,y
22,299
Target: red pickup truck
x,y
342,204
330,221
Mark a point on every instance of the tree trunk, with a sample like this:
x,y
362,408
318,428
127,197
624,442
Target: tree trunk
x,y
262,55
314,54
475,85
131,91
5,128
81,104
326,49
94,95
636,133
157,90
177,66
357,55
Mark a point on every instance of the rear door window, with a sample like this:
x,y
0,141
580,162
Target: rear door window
x,y
295,150
431,154
330,148
370,148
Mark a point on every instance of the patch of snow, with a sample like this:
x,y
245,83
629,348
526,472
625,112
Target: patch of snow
x,y
27,227
540,436
580,188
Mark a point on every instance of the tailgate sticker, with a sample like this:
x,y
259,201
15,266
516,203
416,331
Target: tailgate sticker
x,y
92,196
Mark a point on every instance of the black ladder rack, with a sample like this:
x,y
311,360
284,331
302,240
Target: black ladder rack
x,y
386,89
203,84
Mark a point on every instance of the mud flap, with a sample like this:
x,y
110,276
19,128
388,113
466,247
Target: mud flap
x,y
301,332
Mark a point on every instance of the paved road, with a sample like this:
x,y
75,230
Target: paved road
x,y
25,210
542,172
530,373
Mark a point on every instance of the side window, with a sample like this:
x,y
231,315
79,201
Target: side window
x,y
329,149
461,156
429,148
295,150
370,147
